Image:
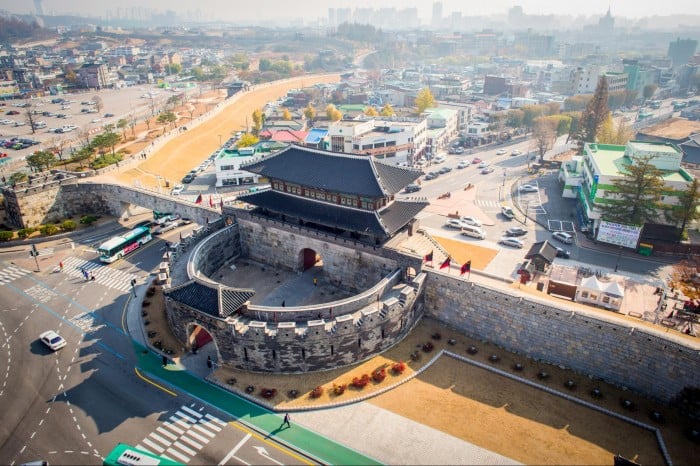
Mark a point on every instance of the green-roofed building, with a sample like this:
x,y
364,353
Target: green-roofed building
x,y
590,177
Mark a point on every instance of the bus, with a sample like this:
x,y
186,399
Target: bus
x,y
121,245
125,455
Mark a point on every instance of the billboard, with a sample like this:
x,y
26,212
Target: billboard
x,y
619,234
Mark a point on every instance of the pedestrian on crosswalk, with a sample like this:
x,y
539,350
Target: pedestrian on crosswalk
x,y
286,420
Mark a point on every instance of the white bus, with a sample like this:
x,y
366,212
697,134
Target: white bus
x,y
119,246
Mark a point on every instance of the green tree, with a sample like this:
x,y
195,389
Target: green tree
x,y
310,112
18,177
111,139
166,118
424,100
41,160
68,225
247,140
264,64
122,123
387,111
82,154
48,229
514,118
636,195
198,73
687,210
173,68
649,91
596,112
6,235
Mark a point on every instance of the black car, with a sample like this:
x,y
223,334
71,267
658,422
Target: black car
x,y
189,178
444,170
563,253
516,231
412,188
431,176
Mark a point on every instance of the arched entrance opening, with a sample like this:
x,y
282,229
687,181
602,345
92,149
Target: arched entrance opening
x,y
204,351
308,258
410,273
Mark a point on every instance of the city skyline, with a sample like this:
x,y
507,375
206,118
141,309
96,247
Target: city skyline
x,y
315,9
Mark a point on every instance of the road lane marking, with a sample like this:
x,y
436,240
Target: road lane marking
x,y
157,437
174,428
215,419
284,450
185,417
235,449
198,437
203,430
194,413
182,447
188,440
166,433
177,454
154,446
153,383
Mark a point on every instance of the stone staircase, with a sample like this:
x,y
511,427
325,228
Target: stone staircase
x,y
422,244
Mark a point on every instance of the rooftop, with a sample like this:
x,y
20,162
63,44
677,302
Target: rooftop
x,y
673,128
611,159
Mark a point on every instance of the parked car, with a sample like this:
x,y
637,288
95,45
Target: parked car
x,y
109,115
512,242
507,212
431,176
177,190
459,150
444,170
53,340
528,188
412,188
463,164
439,159
455,223
516,231
563,253
13,112
487,170
501,151
471,221
564,237
189,178
515,152
483,164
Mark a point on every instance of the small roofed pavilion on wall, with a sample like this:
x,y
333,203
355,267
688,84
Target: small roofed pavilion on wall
x,y
339,193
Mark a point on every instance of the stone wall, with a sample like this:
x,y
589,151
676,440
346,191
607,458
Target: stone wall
x,y
590,342
215,251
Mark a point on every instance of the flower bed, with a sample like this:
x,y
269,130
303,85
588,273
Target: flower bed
x,y
398,367
339,389
268,393
360,382
316,392
379,375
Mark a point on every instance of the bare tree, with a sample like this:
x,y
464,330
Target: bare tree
x,y
57,144
545,133
83,136
30,116
98,103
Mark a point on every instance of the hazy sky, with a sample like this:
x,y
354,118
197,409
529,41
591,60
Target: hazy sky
x,y
312,9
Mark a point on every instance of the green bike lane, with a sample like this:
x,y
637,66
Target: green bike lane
x,y
304,440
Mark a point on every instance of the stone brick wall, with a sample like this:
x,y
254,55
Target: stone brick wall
x,y
216,251
604,346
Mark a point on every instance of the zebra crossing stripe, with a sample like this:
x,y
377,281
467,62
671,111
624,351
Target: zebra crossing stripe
x,y
154,446
179,421
167,433
160,439
191,411
196,445
215,419
182,447
203,430
178,455
194,434
173,428
185,417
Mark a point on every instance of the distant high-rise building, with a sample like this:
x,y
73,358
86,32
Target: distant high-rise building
x,y
332,19
436,20
606,24
343,15
516,15
681,51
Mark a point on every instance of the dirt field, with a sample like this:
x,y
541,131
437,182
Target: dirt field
x,y
181,154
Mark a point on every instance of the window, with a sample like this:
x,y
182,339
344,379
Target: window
x,y
606,299
584,294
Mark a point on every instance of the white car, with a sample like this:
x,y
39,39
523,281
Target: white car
x,y
471,221
53,340
177,190
439,159
501,151
565,238
483,165
512,242
95,120
463,164
515,152
454,223
528,188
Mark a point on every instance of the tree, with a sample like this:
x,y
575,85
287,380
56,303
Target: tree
x,y
41,160
257,121
264,64
111,139
424,100
333,113
166,118
97,100
30,117
635,198
649,91
686,211
514,118
596,112
174,68
247,140
122,123
498,124
611,134
310,112
387,111
371,111
544,132
286,114
18,177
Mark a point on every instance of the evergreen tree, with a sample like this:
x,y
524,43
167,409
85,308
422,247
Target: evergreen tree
x,y
636,195
687,208
596,112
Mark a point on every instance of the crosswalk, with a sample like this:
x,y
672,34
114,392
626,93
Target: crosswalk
x,y
87,322
45,251
105,276
11,273
487,203
183,435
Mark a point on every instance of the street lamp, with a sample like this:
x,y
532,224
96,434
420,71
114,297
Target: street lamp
x,y
219,140
619,255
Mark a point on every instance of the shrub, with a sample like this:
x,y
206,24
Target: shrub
x,y
317,392
25,232
68,225
88,219
398,367
339,389
6,235
360,382
428,347
268,393
48,229
379,374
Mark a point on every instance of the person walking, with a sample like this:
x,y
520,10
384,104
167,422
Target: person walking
x,y
60,265
210,363
315,281
286,420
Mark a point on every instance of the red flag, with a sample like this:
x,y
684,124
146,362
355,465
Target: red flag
x,y
211,203
445,264
428,257
199,199
466,267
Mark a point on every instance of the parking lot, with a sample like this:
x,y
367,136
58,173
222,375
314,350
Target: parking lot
x,y
71,115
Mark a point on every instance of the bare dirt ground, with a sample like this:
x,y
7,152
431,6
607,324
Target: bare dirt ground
x,y
181,154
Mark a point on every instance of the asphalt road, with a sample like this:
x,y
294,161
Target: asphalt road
x,y
72,406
